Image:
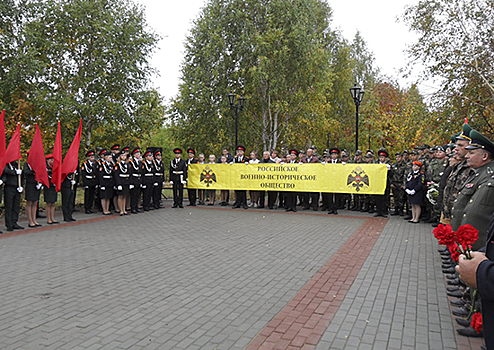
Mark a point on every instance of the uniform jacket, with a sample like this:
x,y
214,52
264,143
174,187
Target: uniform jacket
x,y
459,174
10,176
147,173
105,175
474,204
244,159
485,286
89,172
135,167
159,171
121,174
178,170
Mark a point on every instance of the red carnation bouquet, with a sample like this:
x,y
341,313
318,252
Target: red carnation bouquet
x,y
459,242
477,321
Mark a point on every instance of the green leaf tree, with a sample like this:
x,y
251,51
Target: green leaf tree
x,y
272,51
89,60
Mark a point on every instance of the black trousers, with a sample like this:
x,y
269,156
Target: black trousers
x,y
89,192
135,196
291,200
240,198
272,195
178,193
157,195
333,201
311,199
12,200
147,194
67,202
192,192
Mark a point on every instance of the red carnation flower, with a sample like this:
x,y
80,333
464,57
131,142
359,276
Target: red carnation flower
x,y
477,322
467,235
455,251
444,234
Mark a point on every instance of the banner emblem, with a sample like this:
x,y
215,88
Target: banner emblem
x,y
358,179
208,176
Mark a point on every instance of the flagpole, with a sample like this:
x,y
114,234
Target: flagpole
x,y
19,176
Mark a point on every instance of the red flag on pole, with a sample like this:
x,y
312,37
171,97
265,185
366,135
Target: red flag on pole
x,y
71,159
36,159
2,142
56,175
14,150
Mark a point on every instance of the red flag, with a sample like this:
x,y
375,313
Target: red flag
x,y
14,150
56,176
2,141
36,159
71,159
466,120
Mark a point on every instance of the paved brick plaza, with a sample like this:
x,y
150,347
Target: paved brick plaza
x,y
211,278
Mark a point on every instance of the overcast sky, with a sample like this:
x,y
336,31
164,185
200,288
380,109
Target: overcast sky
x,y
376,21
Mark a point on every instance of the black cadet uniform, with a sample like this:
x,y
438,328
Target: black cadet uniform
x,y
135,166
12,196
159,179
241,195
121,177
105,179
32,187
178,175
382,199
333,199
291,197
89,171
68,192
192,192
147,181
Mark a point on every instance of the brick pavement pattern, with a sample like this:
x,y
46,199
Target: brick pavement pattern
x,y
210,278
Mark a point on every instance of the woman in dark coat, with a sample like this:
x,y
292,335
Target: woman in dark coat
x,y
33,190
51,194
415,189
121,176
106,182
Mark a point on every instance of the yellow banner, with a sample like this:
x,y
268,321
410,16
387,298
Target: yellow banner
x,y
337,178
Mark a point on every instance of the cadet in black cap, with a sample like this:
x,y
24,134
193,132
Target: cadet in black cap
x,y
178,177
105,181
89,172
115,149
240,195
191,192
333,199
135,166
147,179
159,178
291,197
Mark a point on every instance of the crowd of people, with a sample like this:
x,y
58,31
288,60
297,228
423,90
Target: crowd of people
x,y
444,184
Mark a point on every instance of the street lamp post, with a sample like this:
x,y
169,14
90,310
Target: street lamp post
x,y
236,106
357,95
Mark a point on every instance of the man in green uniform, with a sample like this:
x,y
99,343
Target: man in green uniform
x,y
459,175
474,204
397,177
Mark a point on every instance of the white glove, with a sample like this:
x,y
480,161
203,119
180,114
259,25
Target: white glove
x,y
19,189
18,171
39,186
1,182
86,187
184,182
119,187
72,182
412,192
102,188
388,166
143,186
131,187
171,182
407,190
155,184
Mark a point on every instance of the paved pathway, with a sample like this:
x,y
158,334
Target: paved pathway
x,y
211,278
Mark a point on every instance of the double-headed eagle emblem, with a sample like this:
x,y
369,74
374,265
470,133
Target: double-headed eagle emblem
x,y
207,176
358,179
